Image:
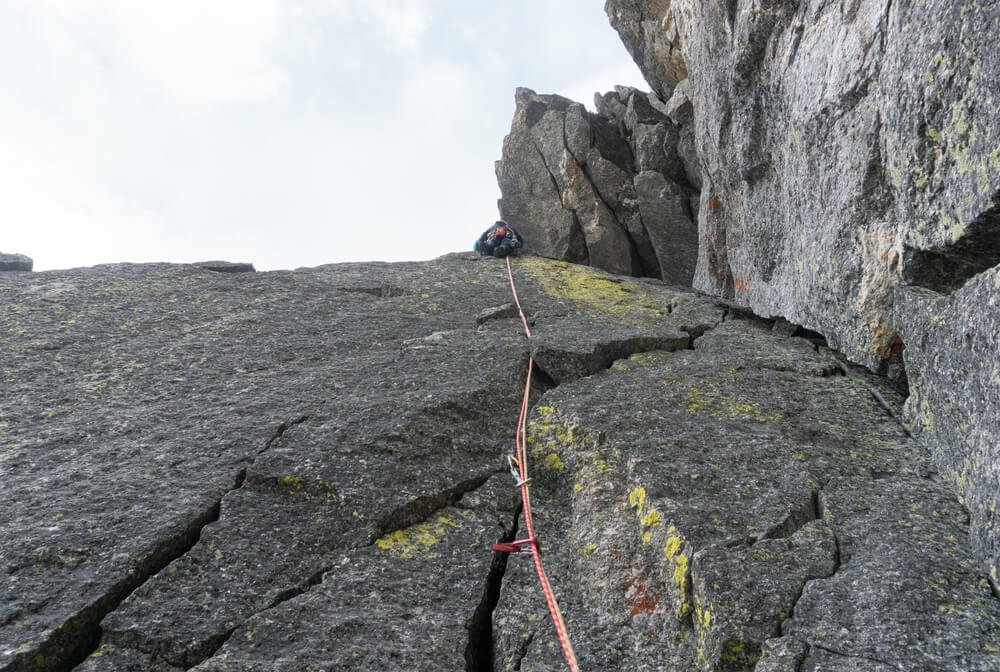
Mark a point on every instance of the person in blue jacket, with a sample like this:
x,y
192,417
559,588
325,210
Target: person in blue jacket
x,y
499,240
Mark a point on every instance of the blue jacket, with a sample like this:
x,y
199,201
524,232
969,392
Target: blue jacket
x,y
499,240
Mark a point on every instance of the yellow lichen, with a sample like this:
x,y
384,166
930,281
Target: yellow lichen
x,y
408,542
712,399
681,575
637,500
294,483
651,518
594,291
681,581
703,616
673,546
553,462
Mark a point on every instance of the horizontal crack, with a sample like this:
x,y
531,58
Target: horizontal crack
x,y
562,366
796,519
853,655
423,507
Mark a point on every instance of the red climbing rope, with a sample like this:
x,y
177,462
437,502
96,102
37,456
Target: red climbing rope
x,y
522,472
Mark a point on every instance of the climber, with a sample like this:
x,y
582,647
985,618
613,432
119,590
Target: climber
x,y
499,240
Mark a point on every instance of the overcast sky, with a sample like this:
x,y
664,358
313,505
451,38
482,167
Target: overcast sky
x,y
285,133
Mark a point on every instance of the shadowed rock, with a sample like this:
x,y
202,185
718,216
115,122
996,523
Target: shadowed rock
x,y
15,262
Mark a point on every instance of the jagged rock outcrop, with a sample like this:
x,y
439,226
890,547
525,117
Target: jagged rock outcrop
x,y
15,262
609,189
304,470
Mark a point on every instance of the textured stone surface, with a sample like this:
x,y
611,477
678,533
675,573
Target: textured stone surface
x,y
764,493
244,433
607,189
15,262
309,413
304,470
846,150
954,406
850,167
650,33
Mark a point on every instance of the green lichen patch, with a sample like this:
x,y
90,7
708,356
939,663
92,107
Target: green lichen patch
x,y
417,539
595,292
711,397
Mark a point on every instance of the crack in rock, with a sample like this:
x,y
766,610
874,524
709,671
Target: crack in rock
x,y
80,635
479,650
423,507
411,513
842,654
563,365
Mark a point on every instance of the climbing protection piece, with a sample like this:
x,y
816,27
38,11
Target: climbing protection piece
x,y
519,469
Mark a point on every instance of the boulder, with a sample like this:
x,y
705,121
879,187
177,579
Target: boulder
x,y
15,262
558,164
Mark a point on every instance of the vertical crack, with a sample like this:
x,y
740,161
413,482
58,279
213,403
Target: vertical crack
x,y
479,649
522,651
805,656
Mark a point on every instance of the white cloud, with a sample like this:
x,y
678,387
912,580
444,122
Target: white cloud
x,y
188,52
281,132
403,21
434,93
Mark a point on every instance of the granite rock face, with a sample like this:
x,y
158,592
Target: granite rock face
x,y
650,33
954,405
845,150
851,184
608,189
768,512
305,470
